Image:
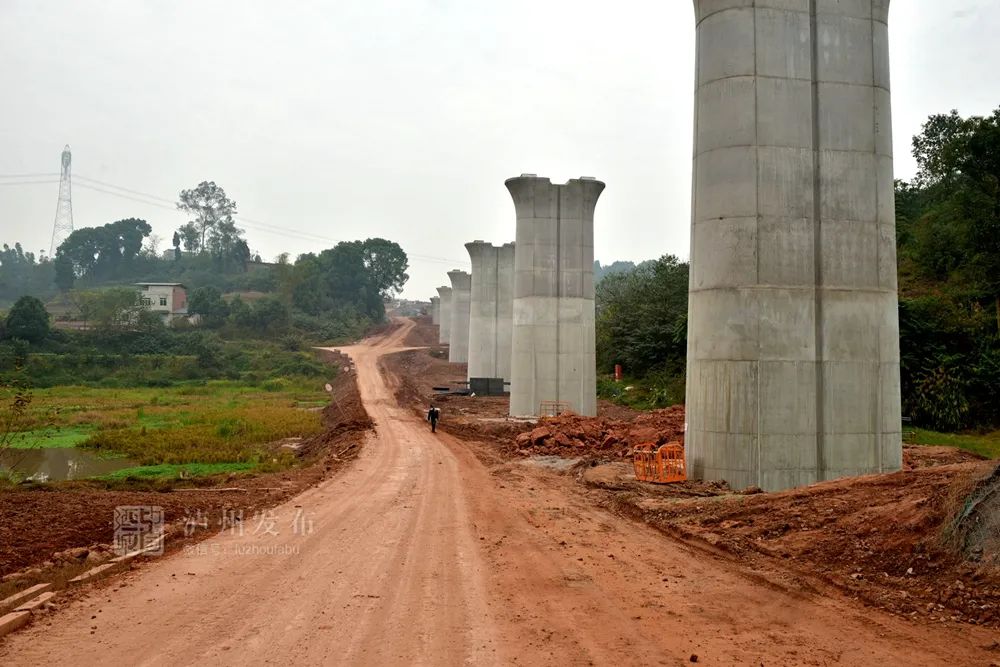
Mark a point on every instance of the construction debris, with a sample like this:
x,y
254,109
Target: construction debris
x,y
602,435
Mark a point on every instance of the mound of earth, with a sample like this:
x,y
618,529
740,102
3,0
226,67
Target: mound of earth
x,y
574,435
885,539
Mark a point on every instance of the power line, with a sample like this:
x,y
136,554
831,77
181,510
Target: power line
x,y
54,173
135,192
118,194
49,182
259,225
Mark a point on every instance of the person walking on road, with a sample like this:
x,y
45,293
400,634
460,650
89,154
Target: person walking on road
x,y
433,415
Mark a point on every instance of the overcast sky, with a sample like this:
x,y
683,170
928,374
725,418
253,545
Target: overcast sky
x,y
346,119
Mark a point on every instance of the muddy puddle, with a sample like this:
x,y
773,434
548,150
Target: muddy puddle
x,y
54,464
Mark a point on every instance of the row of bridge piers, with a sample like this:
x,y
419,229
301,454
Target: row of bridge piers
x,y
524,316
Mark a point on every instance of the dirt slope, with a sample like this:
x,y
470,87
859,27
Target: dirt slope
x,y
419,554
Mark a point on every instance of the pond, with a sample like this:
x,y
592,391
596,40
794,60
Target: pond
x,y
55,464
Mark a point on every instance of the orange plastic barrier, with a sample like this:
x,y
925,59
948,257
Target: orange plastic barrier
x,y
665,465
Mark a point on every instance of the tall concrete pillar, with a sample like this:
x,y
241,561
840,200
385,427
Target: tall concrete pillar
x,y
491,309
461,293
435,310
553,353
444,315
793,334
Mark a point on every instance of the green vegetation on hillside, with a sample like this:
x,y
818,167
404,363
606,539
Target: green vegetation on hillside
x,y
948,231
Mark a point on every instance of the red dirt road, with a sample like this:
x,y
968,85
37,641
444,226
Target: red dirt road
x,y
418,554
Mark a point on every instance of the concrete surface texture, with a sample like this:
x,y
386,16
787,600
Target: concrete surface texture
x,y
553,355
435,310
461,293
444,315
793,339
491,309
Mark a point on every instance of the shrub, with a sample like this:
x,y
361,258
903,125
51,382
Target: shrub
x,y
27,320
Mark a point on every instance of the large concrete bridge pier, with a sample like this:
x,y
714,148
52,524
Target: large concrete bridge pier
x,y
444,315
553,342
458,340
793,339
491,309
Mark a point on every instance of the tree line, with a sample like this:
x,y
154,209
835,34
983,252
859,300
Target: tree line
x,y
333,294
948,233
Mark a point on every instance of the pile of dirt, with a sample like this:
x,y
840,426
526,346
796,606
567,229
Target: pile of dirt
x,y
42,521
881,538
572,434
930,456
345,418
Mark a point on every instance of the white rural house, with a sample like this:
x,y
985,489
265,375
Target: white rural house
x,y
167,299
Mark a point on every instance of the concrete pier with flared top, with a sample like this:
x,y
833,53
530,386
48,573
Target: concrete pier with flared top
x,y
491,309
793,338
444,315
461,294
553,353
435,310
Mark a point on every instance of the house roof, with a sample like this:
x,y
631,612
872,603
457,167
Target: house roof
x,y
161,284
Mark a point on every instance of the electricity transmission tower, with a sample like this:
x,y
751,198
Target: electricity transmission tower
x,y
63,226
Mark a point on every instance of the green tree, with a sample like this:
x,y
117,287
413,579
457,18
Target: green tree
x,y
207,302
28,320
642,318
228,247
65,275
23,273
111,309
615,267
267,317
353,278
209,206
386,264
190,236
240,313
271,317
102,253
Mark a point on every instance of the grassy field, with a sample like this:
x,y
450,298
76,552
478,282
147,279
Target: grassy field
x,y
984,444
51,437
175,471
184,430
